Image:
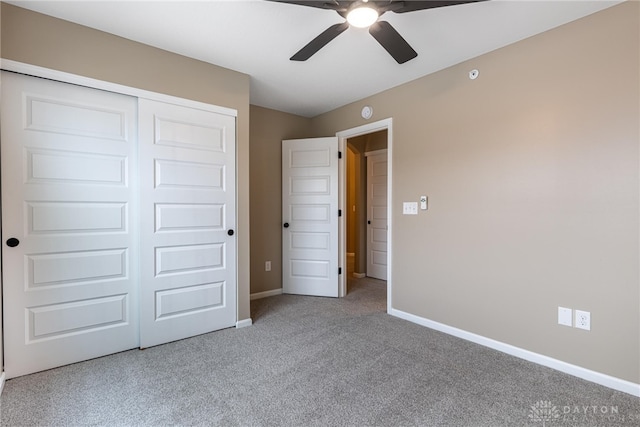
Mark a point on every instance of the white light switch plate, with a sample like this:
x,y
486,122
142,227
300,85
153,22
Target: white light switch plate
x,y
564,316
410,208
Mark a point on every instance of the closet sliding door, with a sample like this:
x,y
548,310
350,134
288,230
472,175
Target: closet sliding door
x,y
69,243
118,222
188,242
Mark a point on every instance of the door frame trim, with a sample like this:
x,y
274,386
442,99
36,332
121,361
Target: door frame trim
x,y
384,124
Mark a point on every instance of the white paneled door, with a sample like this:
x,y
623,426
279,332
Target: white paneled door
x,y
69,249
377,215
310,216
188,242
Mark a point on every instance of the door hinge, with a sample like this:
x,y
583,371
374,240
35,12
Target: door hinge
x,y
339,270
339,154
339,212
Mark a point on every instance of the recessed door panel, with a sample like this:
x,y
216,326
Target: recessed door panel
x,y
74,167
309,240
308,157
310,214
301,268
189,258
304,185
189,134
75,117
76,318
70,268
189,300
195,175
76,217
189,217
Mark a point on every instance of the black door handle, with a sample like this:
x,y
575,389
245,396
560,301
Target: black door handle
x,y
230,232
13,242
286,225
368,222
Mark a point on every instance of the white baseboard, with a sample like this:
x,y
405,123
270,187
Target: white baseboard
x,y
266,294
567,368
244,323
359,275
1,382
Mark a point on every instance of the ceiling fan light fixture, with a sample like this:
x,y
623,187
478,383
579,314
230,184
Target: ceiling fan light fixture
x,y
362,16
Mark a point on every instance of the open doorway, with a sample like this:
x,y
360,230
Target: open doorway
x,y
359,145
366,205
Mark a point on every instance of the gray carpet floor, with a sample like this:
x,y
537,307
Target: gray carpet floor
x,y
310,361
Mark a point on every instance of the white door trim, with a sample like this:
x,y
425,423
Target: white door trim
x,y
342,144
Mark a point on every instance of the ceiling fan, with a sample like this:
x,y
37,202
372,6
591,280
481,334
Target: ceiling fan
x,y
365,14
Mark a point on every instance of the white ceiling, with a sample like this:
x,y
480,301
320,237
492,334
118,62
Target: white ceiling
x,y
257,38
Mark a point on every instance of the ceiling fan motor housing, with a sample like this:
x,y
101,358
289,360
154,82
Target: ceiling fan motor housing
x,y
382,31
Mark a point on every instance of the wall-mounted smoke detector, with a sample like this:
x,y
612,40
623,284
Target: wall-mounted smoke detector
x,y
473,74
367,112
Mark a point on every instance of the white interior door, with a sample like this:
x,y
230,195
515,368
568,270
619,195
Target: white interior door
x,y
377,215
310,216
68,230
188,246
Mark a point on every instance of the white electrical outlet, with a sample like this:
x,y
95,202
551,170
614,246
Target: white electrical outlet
x,y
564,316
267,266
583,320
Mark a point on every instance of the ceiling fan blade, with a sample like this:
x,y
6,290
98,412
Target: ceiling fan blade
x,y
392,41
319,42
413,5
340,6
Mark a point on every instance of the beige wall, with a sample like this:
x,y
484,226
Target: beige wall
x,y
41,40
376,141
268,129
533,182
